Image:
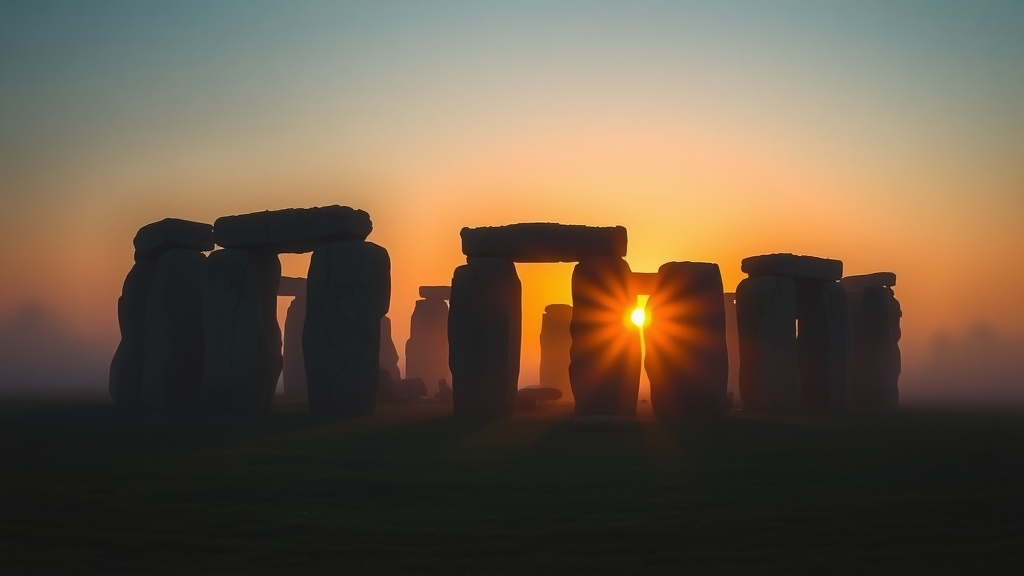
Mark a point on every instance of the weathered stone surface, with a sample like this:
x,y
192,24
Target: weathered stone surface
x,y
604,368
426,350
687,359
388,352
295,387
643,283
769,363
152,239
544,242
241,337
484,336
862,281
605,423
436,292
128,364
823,343
173,359
793,266
294,287
555,342
732,341
293,229
875,318
348,292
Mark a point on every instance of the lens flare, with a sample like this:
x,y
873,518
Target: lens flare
x,y
638,317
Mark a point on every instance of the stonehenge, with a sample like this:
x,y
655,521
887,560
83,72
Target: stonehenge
x,y
426,350
794,335
158,362
294,366
875,319
555,341
687,358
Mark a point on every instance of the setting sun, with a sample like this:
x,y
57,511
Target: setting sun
x,y
638,317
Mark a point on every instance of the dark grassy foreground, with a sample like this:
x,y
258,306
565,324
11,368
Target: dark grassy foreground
x,y
88,489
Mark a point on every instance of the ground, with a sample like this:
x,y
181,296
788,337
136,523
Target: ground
x,y
87,488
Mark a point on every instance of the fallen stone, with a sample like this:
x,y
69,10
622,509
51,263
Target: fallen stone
x,y
348,292
769,363
862,281
294,287
294,230
604,368
388,352
643,283
605,423
484,336
687,358
173,359
823,347
436,292
295,387
241,336
555,342
793,266
152,239
544,242
128,364
426,350
540,393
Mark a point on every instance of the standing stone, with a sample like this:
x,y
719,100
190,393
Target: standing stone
x,y
426,350
687,359
822,346
769,363
128,366
388,352
241,335
294,372
348,292
875,317
485,334
555,343
732,341
604,368
173,372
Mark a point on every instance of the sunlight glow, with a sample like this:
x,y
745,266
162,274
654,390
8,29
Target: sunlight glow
x,y
638,317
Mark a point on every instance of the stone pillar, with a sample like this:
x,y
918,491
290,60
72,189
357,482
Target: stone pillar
x,y
241,337
348,292
604,368
769,365
484,335
388,359
426,350
555,343
875,318
295,388
173,373
128,365
687,360
732,342
822,346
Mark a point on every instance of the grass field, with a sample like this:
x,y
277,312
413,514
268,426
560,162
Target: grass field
x,y
85,488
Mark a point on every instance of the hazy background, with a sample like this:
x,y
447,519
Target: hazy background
x,y
889,135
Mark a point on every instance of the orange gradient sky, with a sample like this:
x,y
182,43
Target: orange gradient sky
x,y
890,137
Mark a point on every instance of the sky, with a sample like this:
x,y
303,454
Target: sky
x,y
889,135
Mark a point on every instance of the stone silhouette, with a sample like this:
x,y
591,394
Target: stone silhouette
x,y
444,392
544,242
426,350
732,341
485,333
794,335
165,367
604,369
240,331
293,230
555,342
875,318
348,291
294,372
687,359
388,353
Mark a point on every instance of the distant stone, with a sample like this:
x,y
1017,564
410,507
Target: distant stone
x,y
769,362
414,389
555,343
436,292
128,364
604,368
862,281
348,292
605,423
793,266
643,283
294,287
484,337
293,230
388,353
544,242
241,336
540,393
173,372
294,371
426,350
170,233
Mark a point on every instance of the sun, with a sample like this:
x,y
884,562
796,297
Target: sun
x,y
638,317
